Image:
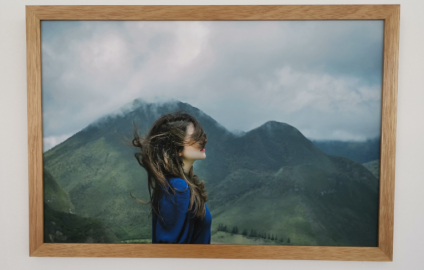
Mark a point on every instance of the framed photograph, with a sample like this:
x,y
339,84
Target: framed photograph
x,y
249,132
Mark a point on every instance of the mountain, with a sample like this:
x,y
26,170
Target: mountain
x,y
275,144
270,179
360,152
99,170
55,196
62,226
373,167
284,185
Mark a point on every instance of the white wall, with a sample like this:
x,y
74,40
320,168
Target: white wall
x,y
409,214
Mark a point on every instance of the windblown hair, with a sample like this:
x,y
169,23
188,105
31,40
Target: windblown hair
x,y
159,156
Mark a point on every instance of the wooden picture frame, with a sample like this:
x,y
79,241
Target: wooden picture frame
x,y
389,13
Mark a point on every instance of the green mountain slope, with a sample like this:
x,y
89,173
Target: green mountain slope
x,y
310,205
360,152
61,225
55,196
270,179
373,167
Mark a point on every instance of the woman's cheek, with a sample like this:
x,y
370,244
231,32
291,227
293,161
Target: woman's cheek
x,y
190,152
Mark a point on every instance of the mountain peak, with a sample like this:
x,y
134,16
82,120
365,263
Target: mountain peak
x,y
136,104
276,126
157,100
273,123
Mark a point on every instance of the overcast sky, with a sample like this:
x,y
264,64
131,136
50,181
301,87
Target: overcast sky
x,y
322,77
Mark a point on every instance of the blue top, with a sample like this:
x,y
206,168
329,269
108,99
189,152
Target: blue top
x,y
177,225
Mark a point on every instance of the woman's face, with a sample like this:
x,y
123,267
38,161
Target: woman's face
x,y
192,152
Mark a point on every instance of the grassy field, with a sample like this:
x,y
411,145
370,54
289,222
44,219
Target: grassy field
x,y
140,241
239,239
224,238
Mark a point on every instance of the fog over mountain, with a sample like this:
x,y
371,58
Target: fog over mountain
x,y
323,77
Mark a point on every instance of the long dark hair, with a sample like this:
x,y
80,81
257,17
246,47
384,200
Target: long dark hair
x,y
159,156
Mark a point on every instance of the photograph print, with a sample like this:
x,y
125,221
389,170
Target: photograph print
x,y
212,132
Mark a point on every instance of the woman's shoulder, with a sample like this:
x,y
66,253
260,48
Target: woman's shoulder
x,y
178,183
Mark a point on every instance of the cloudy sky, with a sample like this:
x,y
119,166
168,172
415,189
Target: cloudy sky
x,y
322,77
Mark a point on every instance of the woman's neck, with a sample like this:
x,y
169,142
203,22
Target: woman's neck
x,y
187,166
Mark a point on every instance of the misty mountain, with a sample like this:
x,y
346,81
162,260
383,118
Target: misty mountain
x,y
373,167
361,152
62,226
55,196
271,179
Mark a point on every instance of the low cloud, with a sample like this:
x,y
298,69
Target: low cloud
x,y
50,142
241,73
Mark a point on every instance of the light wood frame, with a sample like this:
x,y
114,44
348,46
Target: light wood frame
x,y
389,13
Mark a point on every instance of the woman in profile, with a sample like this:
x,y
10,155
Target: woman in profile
x,y
173,143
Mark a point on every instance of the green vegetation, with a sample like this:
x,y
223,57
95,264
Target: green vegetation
x,y
134,241
62,227
221,237
55,196
254,234
373,167
361,152
272,182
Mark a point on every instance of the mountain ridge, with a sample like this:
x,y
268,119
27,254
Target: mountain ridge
x,y
296,182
